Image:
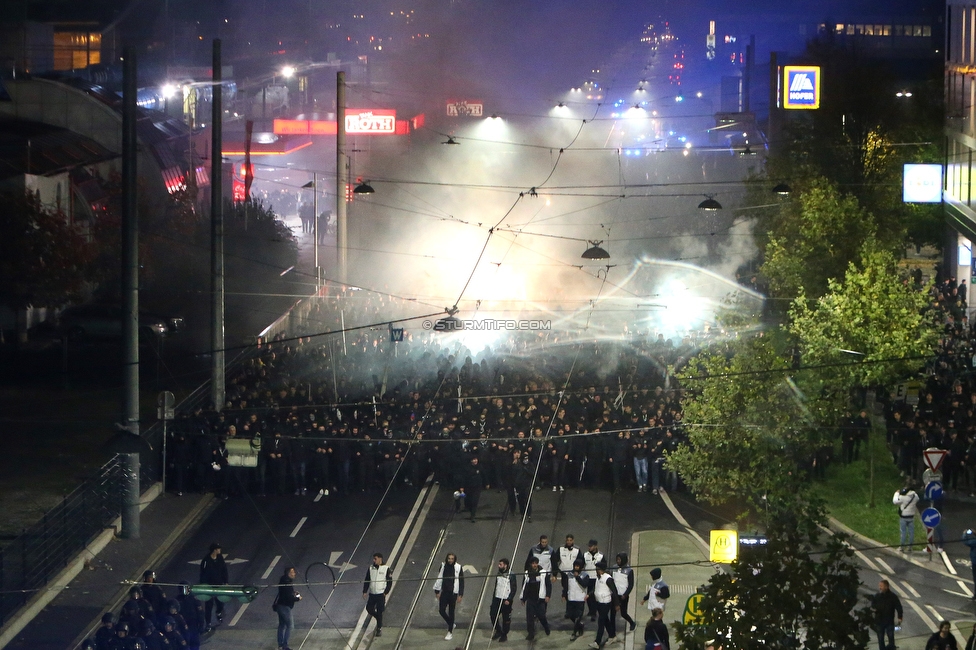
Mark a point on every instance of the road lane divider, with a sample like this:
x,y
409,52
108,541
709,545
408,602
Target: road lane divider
x,y
271,567
301,523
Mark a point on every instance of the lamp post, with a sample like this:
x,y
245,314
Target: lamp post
x,y
315,230
342,173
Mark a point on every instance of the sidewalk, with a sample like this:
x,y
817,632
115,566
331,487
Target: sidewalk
x,y
104,582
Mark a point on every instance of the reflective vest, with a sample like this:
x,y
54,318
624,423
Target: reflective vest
x,y
601,590
378,576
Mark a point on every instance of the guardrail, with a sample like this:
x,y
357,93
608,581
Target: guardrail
x,y
29,562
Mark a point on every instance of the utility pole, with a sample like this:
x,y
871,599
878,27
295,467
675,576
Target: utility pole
x,y
130,249
342,175
315,231
216,238
772,129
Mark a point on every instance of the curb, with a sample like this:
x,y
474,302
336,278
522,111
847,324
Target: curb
x,y
875,545
75,566
165,549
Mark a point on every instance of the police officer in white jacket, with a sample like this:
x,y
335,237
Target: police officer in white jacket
x,y
501,602
375,588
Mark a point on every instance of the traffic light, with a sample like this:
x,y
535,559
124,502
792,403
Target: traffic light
x,y
225,593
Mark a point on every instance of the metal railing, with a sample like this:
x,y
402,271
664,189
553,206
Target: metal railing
x,y
30,561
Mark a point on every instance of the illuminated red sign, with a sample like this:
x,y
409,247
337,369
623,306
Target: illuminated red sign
x,y
372,121
465,108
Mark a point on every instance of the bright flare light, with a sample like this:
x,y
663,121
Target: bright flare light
x,y
288,71
168,90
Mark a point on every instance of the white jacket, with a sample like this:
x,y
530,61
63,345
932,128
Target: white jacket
x,y
907,503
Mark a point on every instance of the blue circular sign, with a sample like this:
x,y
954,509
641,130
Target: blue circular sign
x,y
931,517
933,491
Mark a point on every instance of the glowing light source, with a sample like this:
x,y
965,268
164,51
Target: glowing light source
x,y
288,71
168,90
782,189
364,188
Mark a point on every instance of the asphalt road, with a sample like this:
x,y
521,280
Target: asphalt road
x,y
262,536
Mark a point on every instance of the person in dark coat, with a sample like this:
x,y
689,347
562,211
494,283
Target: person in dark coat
x,y
284,603
473,481
213,571
656,631
886,606
153,593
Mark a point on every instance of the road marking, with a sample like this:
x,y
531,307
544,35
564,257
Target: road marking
x,y
910,589
238,615
299,526
864,558
469,568
935,613
956,593
884,564
271,567
682,520
921,614
318,497
962,585
945,561
427,501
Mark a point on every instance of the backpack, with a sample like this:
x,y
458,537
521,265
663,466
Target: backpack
x,y
664,592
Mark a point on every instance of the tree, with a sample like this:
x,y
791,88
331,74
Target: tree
x,y
797,593
870,329
42,256
749,437
813,239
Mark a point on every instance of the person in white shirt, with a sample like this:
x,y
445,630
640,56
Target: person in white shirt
x,y
501,602
376,586
907,502
449,590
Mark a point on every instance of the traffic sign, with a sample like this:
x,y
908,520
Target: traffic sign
x,y
931,517
723,546
933,458
933,491
694,615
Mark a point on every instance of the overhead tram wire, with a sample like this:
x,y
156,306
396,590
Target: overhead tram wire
x,y
386,492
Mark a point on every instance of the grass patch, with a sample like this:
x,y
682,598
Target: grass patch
x,y
848,494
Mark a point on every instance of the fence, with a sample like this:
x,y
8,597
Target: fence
x,y
29,562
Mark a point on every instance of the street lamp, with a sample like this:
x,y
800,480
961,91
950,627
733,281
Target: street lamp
x,y
288,71
594,252
364,188
709,204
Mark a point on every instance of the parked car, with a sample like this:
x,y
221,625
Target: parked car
x,y
100,321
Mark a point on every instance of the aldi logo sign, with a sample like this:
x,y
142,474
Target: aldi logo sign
x,y
801,86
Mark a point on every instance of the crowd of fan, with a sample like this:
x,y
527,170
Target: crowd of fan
x,y
149,620
944,415
332,412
